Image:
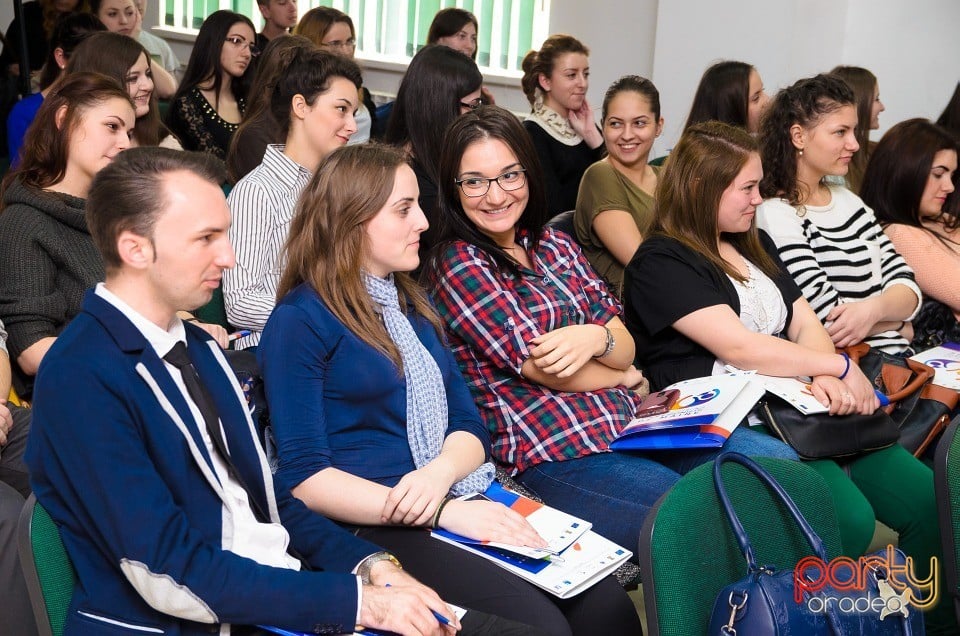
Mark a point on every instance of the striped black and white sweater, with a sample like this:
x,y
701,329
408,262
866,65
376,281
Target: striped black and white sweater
x,y
838,253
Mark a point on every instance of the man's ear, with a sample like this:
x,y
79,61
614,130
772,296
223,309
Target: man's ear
x,y
135,251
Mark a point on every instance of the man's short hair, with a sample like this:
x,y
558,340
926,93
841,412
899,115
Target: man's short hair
x,y
129,194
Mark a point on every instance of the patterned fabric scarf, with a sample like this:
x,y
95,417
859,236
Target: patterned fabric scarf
x,y
556,126
426,394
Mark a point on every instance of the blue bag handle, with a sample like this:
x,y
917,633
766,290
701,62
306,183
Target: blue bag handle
x,y
812,537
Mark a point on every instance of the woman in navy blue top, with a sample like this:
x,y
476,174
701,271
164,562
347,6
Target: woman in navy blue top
x,y
374,424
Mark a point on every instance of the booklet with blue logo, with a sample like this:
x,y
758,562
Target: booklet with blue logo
x,y
575,559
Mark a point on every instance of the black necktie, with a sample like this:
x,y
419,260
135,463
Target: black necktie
x,y
201,397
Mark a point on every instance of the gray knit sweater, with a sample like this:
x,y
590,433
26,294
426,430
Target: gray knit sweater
x,y
47,261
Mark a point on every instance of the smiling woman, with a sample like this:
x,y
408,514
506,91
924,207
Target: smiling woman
x,y
561,124
615,201
47,257
312,106
209,104
125,60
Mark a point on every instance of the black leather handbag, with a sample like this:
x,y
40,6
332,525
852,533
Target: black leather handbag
x,y
825,436
921,409
765,602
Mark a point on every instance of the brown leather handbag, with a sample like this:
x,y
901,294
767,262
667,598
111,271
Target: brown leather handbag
x,y
921,409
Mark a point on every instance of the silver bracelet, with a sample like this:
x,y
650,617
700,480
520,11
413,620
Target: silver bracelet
x,y
611,343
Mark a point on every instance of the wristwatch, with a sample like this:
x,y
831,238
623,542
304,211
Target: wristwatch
x,y
611,342
363,570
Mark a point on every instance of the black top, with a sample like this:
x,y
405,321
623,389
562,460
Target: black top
x,y
666,281
563,167
198,126
37,43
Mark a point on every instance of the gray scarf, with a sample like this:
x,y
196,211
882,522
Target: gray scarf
x,y
426,393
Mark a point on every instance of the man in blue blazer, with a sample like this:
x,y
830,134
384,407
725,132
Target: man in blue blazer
x,y
170,530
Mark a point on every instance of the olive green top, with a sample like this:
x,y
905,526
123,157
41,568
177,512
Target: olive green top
x,y
605,188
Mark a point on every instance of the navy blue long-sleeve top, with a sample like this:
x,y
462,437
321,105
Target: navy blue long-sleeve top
x,y
335,401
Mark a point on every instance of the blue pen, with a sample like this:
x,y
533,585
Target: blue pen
x,y
440,617
884,400
236,335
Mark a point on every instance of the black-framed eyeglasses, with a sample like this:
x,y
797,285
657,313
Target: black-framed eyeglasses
x,y
240,42
473,104
479,186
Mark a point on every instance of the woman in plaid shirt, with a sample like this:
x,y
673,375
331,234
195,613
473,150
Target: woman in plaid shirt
x,y
539,339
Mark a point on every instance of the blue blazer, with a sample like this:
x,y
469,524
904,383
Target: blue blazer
x,y
116,458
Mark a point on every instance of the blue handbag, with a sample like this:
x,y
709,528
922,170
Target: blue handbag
x,y
766,602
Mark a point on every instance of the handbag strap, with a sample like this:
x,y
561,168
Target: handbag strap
x,y
921,373
741,535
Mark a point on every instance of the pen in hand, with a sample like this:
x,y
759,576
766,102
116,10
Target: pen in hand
x,y
236,335
440,617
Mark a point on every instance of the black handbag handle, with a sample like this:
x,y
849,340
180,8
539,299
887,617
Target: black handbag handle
x,y
812,537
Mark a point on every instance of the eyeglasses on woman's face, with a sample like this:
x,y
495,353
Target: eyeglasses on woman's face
x,y
473,104
240,42
479,186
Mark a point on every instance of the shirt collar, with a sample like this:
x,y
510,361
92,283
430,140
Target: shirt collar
x,y
161,340
287,171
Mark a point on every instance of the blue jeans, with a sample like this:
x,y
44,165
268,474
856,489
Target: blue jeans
x,y
615,491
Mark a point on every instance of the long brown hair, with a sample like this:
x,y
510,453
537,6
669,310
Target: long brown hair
x,y
114,54
46,146
327,241
701,167
864,84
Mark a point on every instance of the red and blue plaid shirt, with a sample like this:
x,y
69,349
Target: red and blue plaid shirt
x,y
491,317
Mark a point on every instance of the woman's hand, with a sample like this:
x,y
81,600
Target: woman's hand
x,y
416,496
562,352
853,394
489,521
849,323
633,379
217,332
583,123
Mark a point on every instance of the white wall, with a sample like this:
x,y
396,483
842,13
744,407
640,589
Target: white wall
x,y
912,47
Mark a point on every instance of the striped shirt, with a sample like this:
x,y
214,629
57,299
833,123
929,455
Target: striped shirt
x,y
262,205
838,253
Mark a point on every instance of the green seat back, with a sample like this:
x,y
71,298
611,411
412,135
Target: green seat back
x,y
946,475
46,566
688,552
214,312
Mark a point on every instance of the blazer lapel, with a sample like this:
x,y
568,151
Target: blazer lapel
x,y
154,373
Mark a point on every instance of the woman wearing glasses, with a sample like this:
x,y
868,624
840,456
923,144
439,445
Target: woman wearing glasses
x,y
209,104
539,339
332,30
440,84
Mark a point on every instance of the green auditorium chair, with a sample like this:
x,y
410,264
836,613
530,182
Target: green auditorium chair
x,y
946,475
688,552
46,567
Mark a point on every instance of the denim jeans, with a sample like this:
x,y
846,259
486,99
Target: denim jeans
x,y
615,491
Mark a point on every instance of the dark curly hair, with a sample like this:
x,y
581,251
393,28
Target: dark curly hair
x,y
804,103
